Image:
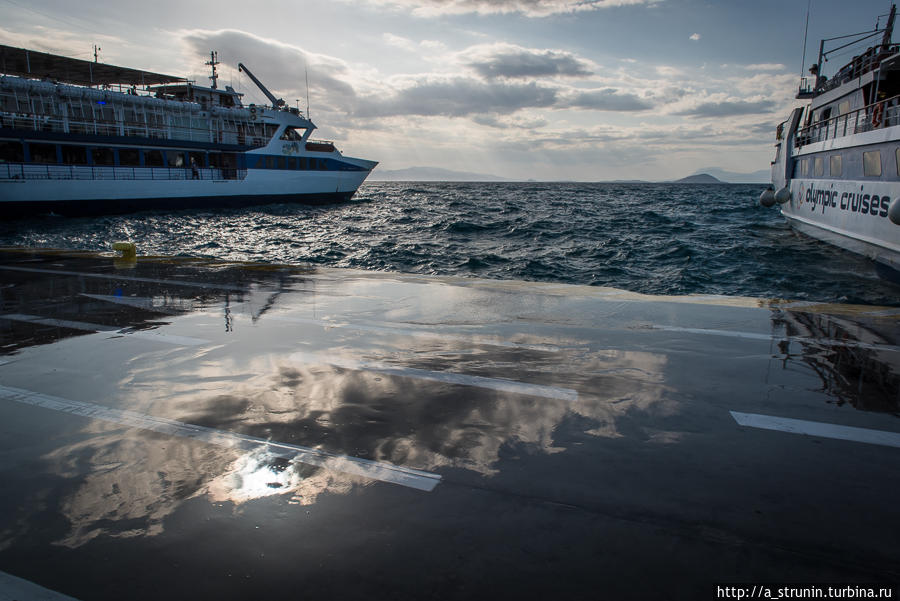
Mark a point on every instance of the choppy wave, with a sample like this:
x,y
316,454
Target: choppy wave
x,y
650,238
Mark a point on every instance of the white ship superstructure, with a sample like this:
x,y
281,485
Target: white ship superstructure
x,y
80,137
836,173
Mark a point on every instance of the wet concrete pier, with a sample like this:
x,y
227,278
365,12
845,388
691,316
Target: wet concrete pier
x,y
185,429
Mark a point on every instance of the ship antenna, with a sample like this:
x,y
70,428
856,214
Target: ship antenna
x,y
213,61
805,34
306,71
889,28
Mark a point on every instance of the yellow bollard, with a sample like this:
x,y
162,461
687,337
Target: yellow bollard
x,y
127,249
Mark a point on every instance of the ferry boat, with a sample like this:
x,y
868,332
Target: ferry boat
x,y
836,173
81,137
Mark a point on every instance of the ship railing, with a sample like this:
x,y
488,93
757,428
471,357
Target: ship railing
x,y
55,124
320,145
870,60
31,171
885,113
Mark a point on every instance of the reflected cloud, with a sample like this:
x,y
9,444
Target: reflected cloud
x,y
129,484
133,480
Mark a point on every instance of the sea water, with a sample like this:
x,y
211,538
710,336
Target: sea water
x,y
652,238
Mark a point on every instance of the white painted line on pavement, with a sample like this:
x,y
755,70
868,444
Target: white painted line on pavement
x,y
413,332
374,470
59,323
825,430
19,589
552,392
125,278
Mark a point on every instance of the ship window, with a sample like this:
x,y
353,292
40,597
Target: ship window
x,y
74,155
897,156
323,165
42,153
12,152
804,167
292,163
293,134
197,159
280,162
270,130
229,165
834,169
303,163
270,162
129,157
844,107
103,156
819,167
872,163
174,159
153,158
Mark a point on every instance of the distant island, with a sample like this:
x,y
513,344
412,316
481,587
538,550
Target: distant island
x,y
700,178
762,176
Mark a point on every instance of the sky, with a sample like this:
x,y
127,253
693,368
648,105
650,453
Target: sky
x,y
586,90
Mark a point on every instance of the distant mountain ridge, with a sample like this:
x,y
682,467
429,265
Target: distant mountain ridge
x,y
709,175
432,174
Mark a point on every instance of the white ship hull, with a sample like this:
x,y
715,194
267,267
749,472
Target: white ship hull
x,y
128,189
852,215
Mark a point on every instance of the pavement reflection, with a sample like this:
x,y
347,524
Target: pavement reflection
x,y
170,400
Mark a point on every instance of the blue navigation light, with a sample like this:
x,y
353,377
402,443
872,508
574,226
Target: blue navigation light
x,y
101,102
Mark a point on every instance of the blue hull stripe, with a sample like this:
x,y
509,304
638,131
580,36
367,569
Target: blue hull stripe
x,y
130,205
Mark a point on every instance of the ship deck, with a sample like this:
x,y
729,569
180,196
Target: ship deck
x,y
186,429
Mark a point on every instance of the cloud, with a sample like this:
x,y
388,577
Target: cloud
x,y
433,45
764,129
58,41
511,97
529,8
765,67
509,61
695,36
283,68
399,42
457,97
607,99
668,71
495,89
728,108
517,123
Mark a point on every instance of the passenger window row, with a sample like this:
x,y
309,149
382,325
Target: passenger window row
x,y
12,151
871,165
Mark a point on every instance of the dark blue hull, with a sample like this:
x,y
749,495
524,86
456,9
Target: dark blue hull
x,y
77,208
